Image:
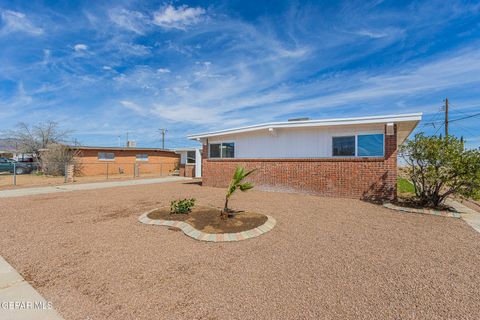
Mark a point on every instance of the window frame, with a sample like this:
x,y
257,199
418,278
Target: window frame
x,y
356,144
221,146
99,159
194,157
370,134
141,159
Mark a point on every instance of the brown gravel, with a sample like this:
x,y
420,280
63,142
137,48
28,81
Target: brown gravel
x,y
325,259
208,219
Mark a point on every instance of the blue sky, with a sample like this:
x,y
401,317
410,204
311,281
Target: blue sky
x,y
107,68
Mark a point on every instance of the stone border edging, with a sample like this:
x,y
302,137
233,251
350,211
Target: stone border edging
x,y
210,237
441,213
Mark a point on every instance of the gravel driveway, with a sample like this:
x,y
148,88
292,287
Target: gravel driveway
x,y
327,258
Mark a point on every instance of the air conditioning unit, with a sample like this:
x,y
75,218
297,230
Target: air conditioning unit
x,y
131,144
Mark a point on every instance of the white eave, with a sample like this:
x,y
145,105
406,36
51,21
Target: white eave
x,y
413,118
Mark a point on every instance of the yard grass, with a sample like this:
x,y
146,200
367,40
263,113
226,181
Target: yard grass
x,y
405,186
327,258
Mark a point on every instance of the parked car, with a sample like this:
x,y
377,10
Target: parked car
x,y
8,165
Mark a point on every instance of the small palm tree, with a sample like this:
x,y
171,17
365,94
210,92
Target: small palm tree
x,y
236,183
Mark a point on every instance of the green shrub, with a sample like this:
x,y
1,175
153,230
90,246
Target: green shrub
x,y
181,206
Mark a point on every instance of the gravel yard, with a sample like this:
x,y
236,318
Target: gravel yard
x,y
327,258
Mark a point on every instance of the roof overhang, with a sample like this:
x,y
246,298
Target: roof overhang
x,y
406,122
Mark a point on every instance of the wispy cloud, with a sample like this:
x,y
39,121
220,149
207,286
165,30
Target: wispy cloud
x,y
14,21
190,68
129,20
178,18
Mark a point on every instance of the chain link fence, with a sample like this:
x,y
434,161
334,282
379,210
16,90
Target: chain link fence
x,y
37,174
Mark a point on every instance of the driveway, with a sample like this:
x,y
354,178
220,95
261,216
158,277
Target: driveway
x,y
327,258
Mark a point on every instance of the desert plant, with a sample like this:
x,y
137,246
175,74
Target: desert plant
x,y
56,156
439,167
181,206
236,183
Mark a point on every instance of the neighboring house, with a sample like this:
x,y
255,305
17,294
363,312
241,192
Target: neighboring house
x,y
8,149
190,162
348,157
125,160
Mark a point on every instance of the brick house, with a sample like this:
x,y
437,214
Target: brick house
x,y
125,160
348,157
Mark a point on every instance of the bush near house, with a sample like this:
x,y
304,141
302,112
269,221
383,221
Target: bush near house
x,y
441,167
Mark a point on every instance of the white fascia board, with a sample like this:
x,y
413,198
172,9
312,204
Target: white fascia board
x,y
412,117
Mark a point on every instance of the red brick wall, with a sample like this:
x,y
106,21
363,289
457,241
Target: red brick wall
x,y
187,170
366,178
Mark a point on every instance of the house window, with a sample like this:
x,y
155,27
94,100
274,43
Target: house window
x,y
215,150
228,150
141,157
222,150
106,156
343,146
370,145
190,157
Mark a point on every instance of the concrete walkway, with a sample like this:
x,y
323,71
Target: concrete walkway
x,y
19,300
470,216
85,186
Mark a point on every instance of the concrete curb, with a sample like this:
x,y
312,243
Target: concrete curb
x,y
19,300
440,213
210,237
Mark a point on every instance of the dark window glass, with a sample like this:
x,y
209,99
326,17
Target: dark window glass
x,y
343,146
215,150
190,156
228,150
370,145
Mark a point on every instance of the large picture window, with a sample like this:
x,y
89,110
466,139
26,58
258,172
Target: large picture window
x,y
370,145
343,146
222,150
190,157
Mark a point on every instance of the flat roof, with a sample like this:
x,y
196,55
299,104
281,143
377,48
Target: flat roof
x,y
396,118
119,148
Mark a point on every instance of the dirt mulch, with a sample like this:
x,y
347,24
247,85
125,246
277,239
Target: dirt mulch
x,y
411,202
326,258
207,219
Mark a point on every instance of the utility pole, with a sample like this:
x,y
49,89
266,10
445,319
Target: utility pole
x,y
163,131
446,120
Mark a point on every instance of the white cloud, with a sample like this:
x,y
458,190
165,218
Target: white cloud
x,y
132,106
107,68
14,21
80,47
181,17
163,70
133,21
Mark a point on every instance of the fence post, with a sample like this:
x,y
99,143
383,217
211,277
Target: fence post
x,y
161,169
14,174
107,170
65,174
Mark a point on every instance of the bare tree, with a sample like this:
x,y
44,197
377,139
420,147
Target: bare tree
x,y
32,139
57,156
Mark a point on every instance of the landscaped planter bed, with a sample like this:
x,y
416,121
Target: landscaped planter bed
x,y
207,219
206,224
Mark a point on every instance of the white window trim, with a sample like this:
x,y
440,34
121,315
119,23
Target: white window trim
x,y
356,144
221,143
98,157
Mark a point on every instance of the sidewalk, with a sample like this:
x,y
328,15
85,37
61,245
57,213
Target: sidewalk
x,y
19,300
85,186
470,216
